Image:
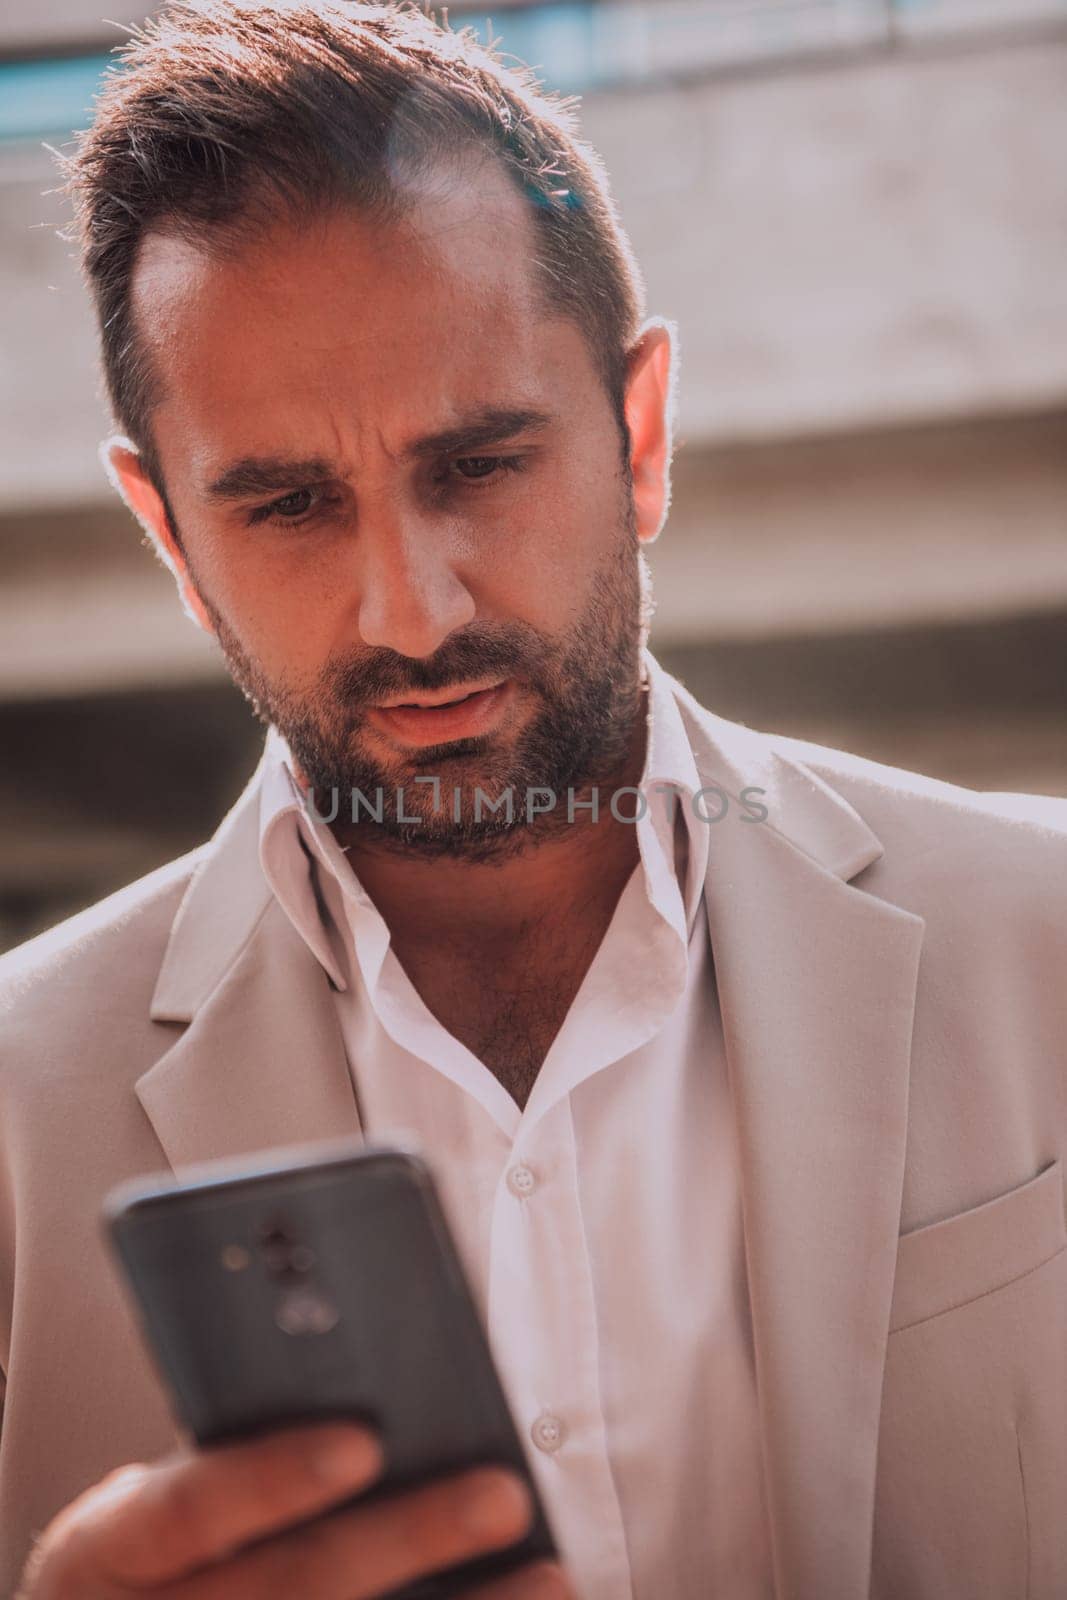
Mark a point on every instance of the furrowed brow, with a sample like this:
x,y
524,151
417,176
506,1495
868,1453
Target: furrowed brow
x,y
259,475
254,476
492,425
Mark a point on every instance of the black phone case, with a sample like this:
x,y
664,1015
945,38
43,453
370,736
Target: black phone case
x,y
311,1291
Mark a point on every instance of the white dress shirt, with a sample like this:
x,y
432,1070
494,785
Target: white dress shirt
x,y
600,1225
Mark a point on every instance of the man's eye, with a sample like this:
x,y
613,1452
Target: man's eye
x,y
291,508
476,469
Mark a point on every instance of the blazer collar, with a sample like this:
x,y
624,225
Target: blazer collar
x,y
261,1062
816,982
223,903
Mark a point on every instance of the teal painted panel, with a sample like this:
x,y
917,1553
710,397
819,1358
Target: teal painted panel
x,y
579,45
48,98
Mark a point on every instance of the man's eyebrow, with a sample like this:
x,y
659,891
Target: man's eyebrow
x,y
258,475
491,425
250,476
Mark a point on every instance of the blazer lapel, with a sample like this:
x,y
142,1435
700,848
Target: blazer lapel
x,y
816,983
261,1062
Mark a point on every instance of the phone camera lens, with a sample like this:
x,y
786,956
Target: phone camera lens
x,y
282,1254
284,1258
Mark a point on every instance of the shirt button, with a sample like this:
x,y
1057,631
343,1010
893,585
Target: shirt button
x,y
547,1432
521,1181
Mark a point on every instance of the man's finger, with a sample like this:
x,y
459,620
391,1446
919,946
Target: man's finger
x,y
147,1525
369,1551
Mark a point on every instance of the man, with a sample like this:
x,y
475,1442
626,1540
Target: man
x,y
740,1060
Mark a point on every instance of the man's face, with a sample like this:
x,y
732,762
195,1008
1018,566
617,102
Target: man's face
x,y
398,480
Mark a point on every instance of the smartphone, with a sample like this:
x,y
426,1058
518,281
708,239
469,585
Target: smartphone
x,y
299,1287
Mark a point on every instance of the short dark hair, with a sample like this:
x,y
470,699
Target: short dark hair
x,y
221,113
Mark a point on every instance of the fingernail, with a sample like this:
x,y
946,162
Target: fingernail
x,y
346,1457
497,1504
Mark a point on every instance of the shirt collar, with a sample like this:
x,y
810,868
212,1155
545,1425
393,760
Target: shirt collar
x,y
671,766
293,835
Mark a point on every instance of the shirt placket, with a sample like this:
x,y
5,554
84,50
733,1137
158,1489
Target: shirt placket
x,y
544,1336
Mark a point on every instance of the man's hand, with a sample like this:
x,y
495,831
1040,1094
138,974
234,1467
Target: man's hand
x,y
183,1528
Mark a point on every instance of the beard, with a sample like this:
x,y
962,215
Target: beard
x,y
585,686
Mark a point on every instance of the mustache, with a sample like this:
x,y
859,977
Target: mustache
x,y
485,650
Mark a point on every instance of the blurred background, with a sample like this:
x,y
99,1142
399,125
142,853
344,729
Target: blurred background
x,y
857,214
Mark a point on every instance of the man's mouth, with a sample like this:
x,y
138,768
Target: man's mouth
x,y
439,716
437,697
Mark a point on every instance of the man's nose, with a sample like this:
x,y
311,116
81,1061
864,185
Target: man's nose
x,y
411,596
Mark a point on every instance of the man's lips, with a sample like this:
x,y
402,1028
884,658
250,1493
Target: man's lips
x,y
459,712
438,697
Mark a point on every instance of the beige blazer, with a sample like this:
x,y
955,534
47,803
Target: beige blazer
x,y
891,957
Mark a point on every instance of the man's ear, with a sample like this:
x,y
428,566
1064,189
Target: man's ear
x,y
122,463
650,416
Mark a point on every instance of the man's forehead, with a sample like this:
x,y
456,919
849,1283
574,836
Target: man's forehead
x,y
461,220
343,316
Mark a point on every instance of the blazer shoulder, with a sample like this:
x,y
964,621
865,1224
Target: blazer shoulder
x,y
948,852
96,952
896,797
885,789
965,859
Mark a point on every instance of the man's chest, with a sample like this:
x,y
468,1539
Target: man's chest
x,y
508,1021
507,1006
